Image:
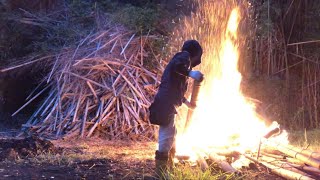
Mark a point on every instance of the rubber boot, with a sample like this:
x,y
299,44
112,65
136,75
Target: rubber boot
x,y
172,154
161,164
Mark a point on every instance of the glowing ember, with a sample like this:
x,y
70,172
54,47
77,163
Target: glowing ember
x,y
223,118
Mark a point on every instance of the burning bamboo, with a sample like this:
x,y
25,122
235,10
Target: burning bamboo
x,y
222,163
202,162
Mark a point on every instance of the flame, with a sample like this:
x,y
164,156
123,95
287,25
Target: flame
x,y
223,117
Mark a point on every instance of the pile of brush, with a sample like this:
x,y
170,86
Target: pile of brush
x,y
101,84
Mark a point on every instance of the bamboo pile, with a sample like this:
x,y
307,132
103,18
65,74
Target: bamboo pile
x,y
100,83
285,161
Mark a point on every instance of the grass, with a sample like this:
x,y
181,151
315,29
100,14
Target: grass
x,y
141,154
57,159
310,139
188,172
130,152
82,150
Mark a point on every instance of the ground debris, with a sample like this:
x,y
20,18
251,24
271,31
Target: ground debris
x,y
12,148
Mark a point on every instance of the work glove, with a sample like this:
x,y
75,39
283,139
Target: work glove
x,y
189,105
196,75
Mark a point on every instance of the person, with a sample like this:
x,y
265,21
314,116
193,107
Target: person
x,y
170,95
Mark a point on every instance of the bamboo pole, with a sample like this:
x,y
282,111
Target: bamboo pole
x,y
280,171
285,172
24,64
30,101
193,102
281,163
224,165
306,152
312,170
202,162
84,119
294,161
308,160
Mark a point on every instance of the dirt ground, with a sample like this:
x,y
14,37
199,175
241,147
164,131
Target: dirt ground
x,y
34,158
77,159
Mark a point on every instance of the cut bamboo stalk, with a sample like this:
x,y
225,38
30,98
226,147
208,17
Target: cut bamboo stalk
x,y
121,89
86,79
107,116
53,68
99,108
84,119
294,161
273,155
59,98
272,150
35,89
62,121
224,165
80,44
308,160
77,107
114,45
92,90
138,87
308,169
226,152
306,152
99,36
202,162
285,173
291,168
103,46
125,47
34,115
22,107
126,113
109,106
24,64
280,171
103,114
55,119
135,90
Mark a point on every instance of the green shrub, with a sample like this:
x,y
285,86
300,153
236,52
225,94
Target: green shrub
x,y
139,19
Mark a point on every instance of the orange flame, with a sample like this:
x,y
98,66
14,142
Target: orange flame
x,y
224,117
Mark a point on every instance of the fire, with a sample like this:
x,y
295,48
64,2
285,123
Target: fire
x,y
223,117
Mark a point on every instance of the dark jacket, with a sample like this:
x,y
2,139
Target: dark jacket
x,y
172,88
